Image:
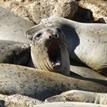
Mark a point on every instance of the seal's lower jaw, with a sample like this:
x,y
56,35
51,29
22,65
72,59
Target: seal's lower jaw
x,y
51,56
54,53
58,57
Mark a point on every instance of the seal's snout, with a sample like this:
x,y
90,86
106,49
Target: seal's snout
x,y
52,33
53,36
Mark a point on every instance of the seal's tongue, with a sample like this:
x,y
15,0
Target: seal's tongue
x,y
54,54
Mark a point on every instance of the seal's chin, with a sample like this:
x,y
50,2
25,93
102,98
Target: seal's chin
x,y
58,56
51,56
54,53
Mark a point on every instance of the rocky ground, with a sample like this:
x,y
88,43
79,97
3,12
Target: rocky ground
x,y
97,7
80,10
89,11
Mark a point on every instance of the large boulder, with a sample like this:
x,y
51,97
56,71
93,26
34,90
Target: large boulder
x,y
17,100
35,10
98,7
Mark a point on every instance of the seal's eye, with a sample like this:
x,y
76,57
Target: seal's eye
x,y
37,36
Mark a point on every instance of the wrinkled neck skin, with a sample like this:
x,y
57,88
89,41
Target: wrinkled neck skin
x,y
41,59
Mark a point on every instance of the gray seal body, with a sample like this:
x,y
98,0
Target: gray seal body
x,y
86,43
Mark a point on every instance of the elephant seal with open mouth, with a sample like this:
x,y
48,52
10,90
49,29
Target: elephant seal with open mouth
x,y
49,51
86,43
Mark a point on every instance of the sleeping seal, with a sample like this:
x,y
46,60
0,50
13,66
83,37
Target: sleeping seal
x,y
14,52
15,79
86,43
69,104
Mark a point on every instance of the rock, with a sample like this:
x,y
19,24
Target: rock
x,y
80,96
17,100
69,104
78,10
97,7
83,15
35,10
12,27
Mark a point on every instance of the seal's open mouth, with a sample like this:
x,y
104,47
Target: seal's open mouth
x,y
49,51
54,53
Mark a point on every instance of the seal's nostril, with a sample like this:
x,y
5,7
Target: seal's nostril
x,y
50,37
56,36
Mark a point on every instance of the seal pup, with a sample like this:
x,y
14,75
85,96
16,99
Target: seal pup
x,y
86,43
15,79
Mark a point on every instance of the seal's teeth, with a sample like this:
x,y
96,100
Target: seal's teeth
x,y
58,63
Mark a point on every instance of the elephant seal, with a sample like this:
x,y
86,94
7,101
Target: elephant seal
x,y
15,79
80,96
14,52
49,51
86,42
69,104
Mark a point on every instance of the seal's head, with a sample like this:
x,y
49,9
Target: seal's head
x,y
49,50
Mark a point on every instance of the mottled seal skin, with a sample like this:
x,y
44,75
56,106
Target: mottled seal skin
x,y
87,43
15,79
80,96
14,52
